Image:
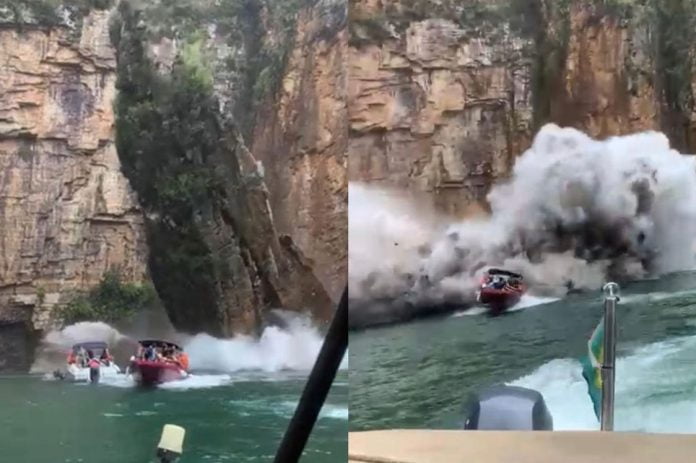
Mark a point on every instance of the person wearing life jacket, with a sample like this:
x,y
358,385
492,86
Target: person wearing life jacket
x,y
93,362
82,357
72,358
183,360
150,353
105,357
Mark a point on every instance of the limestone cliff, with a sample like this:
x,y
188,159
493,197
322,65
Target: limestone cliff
x,y
443,95
302,143
67,213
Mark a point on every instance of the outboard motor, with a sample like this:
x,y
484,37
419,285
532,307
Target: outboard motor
x,y
508,408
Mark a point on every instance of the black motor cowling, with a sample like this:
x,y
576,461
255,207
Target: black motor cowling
x,y
508,408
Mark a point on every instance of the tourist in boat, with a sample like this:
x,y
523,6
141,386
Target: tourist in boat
x,y
183,360
91,360
150,353
82,357
105,357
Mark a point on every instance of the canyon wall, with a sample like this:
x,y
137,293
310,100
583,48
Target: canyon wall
x,y
67,214
444,95
302,142
238,209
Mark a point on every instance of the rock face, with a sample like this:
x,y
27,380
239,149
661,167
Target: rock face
x,y
67,213
443,95
189,115
302,143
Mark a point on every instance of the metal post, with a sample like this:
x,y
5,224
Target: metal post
x,y
611,291
317,387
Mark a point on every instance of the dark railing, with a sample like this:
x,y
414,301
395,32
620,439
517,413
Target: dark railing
x,y
318,385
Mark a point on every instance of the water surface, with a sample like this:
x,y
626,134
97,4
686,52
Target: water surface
x,y
227,418
419,375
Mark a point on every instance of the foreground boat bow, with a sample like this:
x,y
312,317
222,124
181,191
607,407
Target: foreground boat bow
x,y
425,446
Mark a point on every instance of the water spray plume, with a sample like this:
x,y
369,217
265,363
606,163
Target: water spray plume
x,y
293,346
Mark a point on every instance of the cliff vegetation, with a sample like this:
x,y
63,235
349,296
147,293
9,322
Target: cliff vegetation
x,y
113,300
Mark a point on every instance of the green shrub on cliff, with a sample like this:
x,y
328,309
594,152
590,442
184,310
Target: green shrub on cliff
x,y
170,142
110,301
50,12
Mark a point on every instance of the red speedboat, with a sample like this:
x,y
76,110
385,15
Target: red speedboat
x,y
500,290
158,362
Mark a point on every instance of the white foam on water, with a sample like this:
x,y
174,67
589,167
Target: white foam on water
x,y
293,348
338,412
196,381
528,301
655,390
476,310
334,411
655,296
525,302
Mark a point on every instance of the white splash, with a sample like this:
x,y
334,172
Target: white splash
x,y
292,348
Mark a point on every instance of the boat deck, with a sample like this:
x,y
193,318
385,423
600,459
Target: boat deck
x,y
421,446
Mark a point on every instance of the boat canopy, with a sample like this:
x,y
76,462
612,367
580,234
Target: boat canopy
x,y
92,345
158,343
497,271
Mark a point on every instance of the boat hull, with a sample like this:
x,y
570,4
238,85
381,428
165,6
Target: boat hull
x,y
82,374
149,373
498,300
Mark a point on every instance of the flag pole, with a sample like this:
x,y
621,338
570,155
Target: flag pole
x,y
611,291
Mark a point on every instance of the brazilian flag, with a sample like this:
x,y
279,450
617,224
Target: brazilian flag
x,y
592,367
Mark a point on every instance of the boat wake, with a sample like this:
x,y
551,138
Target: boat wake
x,y
330,411
527,301
575,213
198,381
654,390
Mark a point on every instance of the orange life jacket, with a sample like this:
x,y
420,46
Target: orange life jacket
x,y
184,361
